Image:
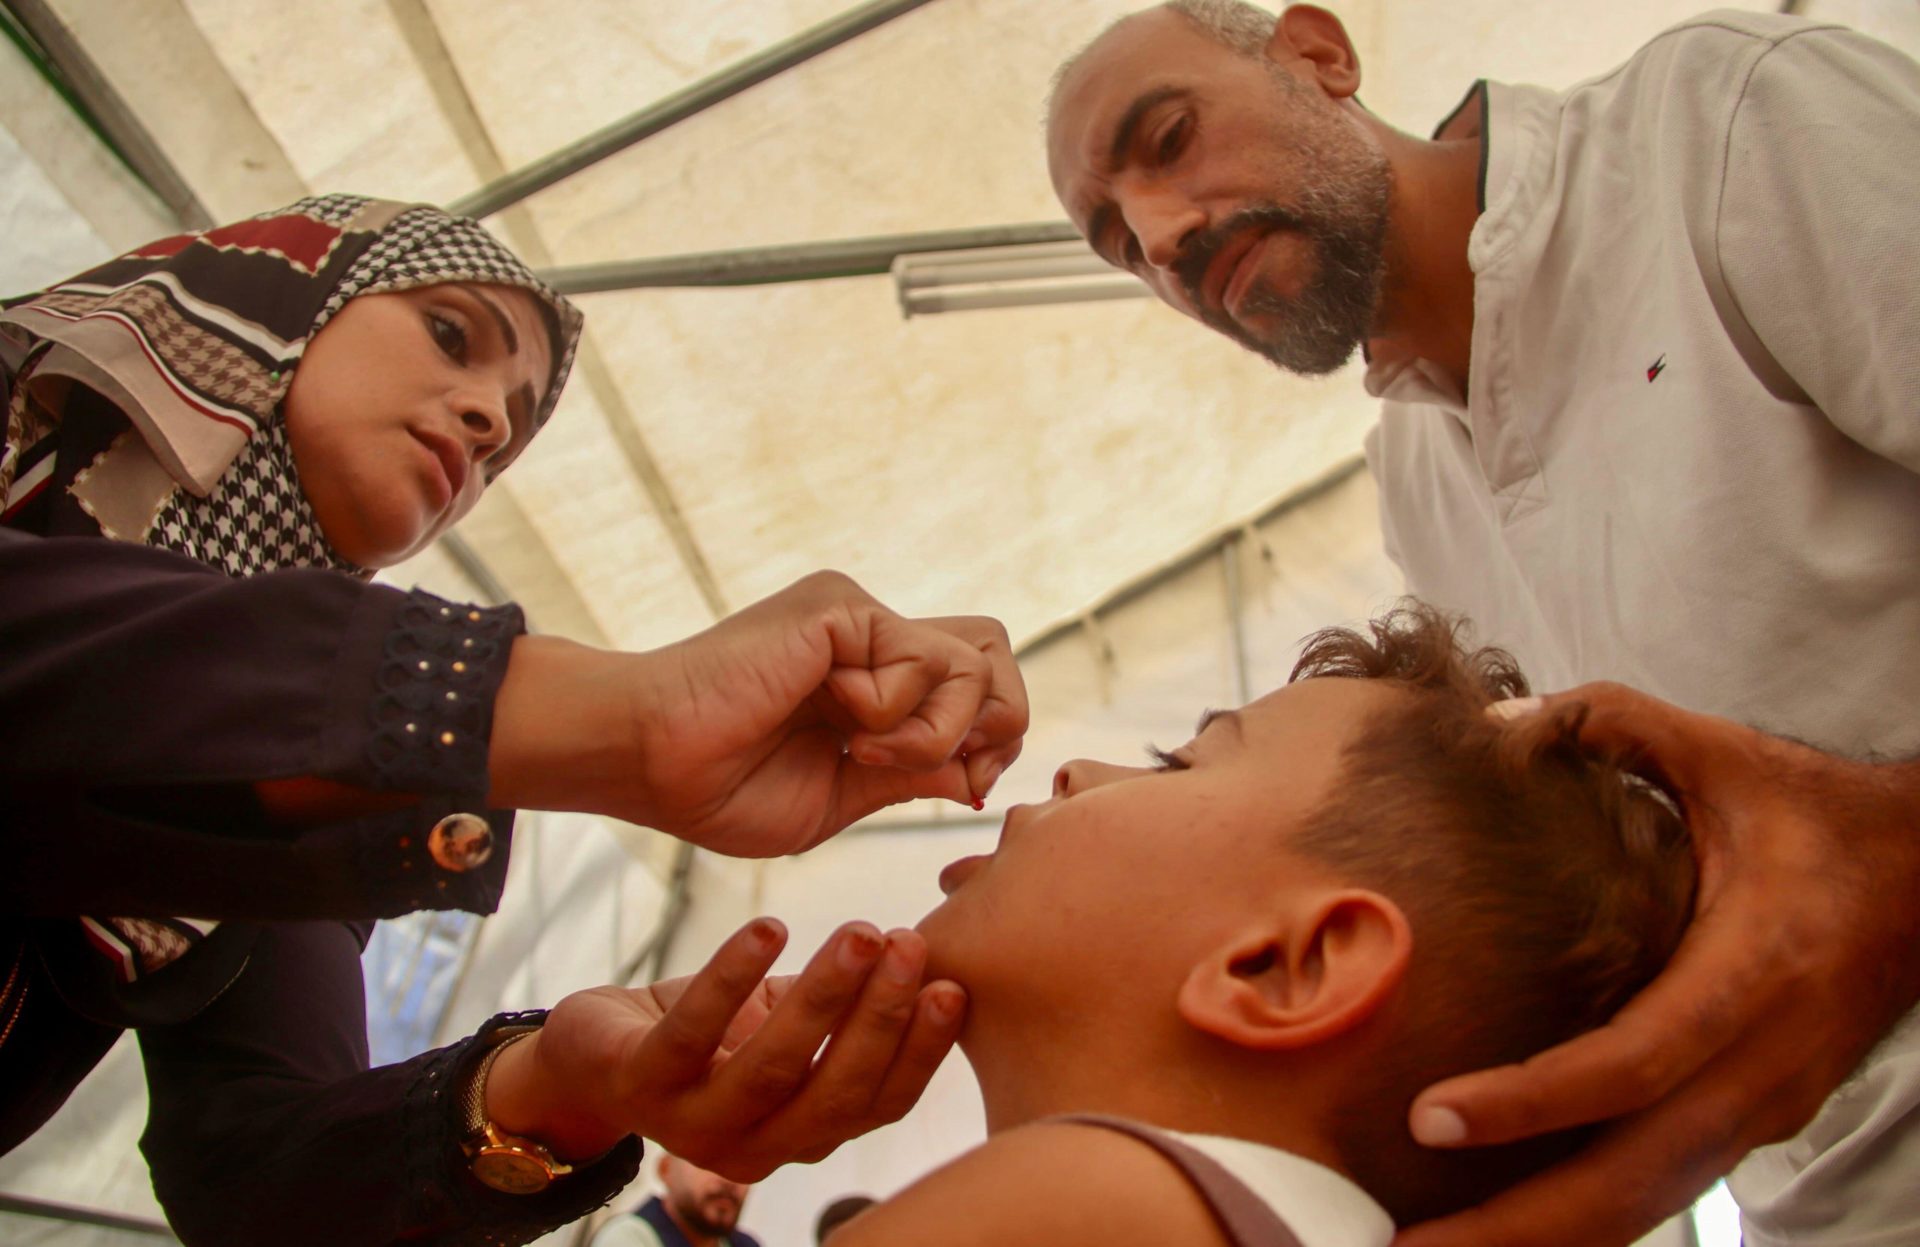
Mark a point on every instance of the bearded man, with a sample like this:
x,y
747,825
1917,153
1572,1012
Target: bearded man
x,y
695,1208
1650,356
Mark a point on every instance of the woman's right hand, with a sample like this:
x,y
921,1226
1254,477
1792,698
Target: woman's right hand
x,y
769,732
724,1067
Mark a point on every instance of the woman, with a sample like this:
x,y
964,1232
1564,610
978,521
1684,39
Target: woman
x,y
204,717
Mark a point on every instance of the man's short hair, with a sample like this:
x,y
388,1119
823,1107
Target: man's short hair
x,y
1235,24
1545,887
1244,27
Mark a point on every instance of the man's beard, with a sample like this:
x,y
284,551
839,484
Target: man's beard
x,y
722,1221
1342,215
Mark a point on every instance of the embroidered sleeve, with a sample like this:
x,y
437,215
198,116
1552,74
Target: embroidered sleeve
x,y
432,710
443,1190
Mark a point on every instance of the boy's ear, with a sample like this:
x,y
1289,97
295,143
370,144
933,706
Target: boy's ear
x,y
1304,978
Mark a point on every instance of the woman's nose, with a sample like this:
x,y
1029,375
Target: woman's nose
x,y
486,425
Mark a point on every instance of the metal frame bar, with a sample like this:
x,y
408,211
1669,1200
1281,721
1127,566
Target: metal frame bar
x,y
75,1214
1148,581
456,104
752,266
1231,547
107,108
679,106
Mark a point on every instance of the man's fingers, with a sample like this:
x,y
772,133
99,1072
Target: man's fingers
x,y
1610,1195
1630,1179
679,1048
764,1072
1704,1000
1655,738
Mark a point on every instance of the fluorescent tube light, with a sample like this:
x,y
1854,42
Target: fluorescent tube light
x,y
1023,276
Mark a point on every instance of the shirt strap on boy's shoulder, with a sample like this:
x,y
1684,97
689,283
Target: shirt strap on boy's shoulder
x,y
1050,1180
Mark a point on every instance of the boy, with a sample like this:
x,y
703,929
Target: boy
x,y
1271,940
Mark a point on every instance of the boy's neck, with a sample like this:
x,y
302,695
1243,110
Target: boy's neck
x,y
1201,1089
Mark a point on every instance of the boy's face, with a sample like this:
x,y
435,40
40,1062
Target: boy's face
x,y
406,404
1115,886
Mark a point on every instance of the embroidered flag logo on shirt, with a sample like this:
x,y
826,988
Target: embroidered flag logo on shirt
x,y
1655,370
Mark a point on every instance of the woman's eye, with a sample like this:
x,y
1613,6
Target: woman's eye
x,y
1164,761
449,335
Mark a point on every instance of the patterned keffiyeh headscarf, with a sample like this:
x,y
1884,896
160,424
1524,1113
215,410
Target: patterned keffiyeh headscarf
x,y
196,338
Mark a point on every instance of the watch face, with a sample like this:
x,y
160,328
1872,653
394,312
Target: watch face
x,y
511,1170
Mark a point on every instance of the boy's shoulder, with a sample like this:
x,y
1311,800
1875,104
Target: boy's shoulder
x,y
1060,1181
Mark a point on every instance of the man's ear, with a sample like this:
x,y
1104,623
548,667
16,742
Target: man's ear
x,y
1310,34
1301,979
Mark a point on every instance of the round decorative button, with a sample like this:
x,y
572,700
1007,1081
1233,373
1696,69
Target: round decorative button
x,y
459,842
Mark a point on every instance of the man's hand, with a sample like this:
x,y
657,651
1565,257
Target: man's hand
x,y
770,731
725,1067
1802,953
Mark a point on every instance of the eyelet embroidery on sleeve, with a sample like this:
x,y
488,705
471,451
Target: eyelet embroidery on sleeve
x,y
432,714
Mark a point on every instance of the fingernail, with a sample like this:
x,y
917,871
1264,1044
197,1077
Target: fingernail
x,y
990,777
1514,708
947,1005
873,755
764,932
859,948
898,967
1438,1127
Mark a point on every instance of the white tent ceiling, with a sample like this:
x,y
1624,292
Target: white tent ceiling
x,y
1046,465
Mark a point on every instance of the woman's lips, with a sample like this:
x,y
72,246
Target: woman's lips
x,y
451,462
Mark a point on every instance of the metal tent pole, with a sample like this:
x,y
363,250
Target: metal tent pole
x,y
679,106
749,266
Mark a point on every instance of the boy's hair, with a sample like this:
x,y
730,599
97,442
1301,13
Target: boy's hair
x,y
1545,886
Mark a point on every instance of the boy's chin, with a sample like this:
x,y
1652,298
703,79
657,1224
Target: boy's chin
x,y
946,942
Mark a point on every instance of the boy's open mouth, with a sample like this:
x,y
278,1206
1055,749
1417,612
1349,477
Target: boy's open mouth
x,y
958,872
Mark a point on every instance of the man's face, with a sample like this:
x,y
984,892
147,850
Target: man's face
x,y
1114,886
406,405
1232,185
704,1202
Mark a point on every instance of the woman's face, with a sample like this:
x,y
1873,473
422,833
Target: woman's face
x,y
406,405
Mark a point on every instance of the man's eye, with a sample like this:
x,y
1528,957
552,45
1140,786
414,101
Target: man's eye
x,y
449,335
1164,761
1173,140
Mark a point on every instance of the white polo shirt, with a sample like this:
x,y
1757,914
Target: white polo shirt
x,y
1689,454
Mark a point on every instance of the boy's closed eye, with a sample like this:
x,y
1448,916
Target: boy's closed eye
x,y
1165,761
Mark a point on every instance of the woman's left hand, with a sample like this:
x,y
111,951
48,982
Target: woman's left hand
x,y
724,1067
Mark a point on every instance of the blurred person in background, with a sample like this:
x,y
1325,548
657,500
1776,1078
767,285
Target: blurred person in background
x,y
695,1208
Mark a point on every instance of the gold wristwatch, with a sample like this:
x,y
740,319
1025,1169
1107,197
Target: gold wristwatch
x,y
503,1161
